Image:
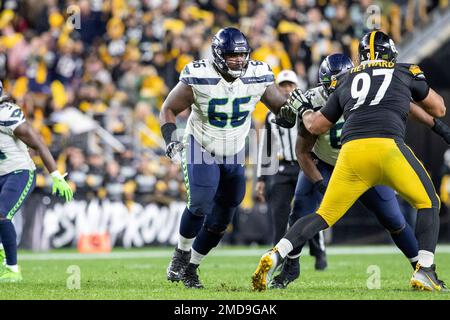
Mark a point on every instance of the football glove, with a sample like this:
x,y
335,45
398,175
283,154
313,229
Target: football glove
x,y
442,129
61,187
174,147
286,117
299,102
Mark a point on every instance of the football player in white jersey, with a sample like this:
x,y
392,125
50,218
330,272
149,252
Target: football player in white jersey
x,y
222,94
17,178
317,157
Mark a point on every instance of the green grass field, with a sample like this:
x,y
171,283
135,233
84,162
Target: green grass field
x,y
226,273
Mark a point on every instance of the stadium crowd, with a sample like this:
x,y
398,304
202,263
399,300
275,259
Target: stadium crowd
x,y
114,61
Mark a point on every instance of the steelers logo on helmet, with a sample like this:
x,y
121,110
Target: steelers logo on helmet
x,y
228,45
376,45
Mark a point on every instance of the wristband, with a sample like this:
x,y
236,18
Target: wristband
x,y
56,174
167,131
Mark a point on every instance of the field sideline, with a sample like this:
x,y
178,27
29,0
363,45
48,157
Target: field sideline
x,y
140,274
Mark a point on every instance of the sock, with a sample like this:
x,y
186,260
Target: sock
x,y
295,253
426,258
284,246
184,243
14,268
196,258
190,224
427,229
206,240
406,242
8,235
304,229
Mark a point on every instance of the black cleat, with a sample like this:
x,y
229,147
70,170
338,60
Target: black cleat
x,y
426,279
178,264
190,277
290,271
321,262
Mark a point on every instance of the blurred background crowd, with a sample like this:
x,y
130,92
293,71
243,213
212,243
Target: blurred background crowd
x,y
113,61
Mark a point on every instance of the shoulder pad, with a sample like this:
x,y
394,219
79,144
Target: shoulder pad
x,y
10,113
199,72
196,68
259,68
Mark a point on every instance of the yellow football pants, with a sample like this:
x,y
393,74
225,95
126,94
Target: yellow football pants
x,y
365,163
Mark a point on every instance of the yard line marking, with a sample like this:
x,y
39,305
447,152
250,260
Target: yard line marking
x,y
220,252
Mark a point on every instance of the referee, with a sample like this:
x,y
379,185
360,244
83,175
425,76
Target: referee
x,y
280,188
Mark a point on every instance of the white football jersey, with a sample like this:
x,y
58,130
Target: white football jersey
x,y
13,152
221,114
328,145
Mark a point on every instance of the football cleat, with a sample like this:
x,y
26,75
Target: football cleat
x,y
290,271
426,279
7,275
321,262
266,267
178,264
190,277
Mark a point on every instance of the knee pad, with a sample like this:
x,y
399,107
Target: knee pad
x,y
397,231
216,229
200,210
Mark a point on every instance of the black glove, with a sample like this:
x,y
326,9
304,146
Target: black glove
x,y
442,129
173,148
286,117
320,186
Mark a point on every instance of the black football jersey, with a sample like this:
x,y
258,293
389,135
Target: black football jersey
x,y
374,98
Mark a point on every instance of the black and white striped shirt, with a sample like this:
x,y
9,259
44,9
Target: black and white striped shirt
x,y
278,139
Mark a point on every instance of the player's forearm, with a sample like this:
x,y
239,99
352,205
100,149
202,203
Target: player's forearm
x,y
47,158
167,119
166,115
303,146
309,168
312,124
421,116
433,104
33,140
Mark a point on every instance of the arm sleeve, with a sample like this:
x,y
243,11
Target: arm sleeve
x,y
419,89
332,110
418,85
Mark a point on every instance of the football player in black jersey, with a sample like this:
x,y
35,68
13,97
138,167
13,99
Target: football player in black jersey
x,y
374,99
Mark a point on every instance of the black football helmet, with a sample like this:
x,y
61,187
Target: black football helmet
x,y
377,45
